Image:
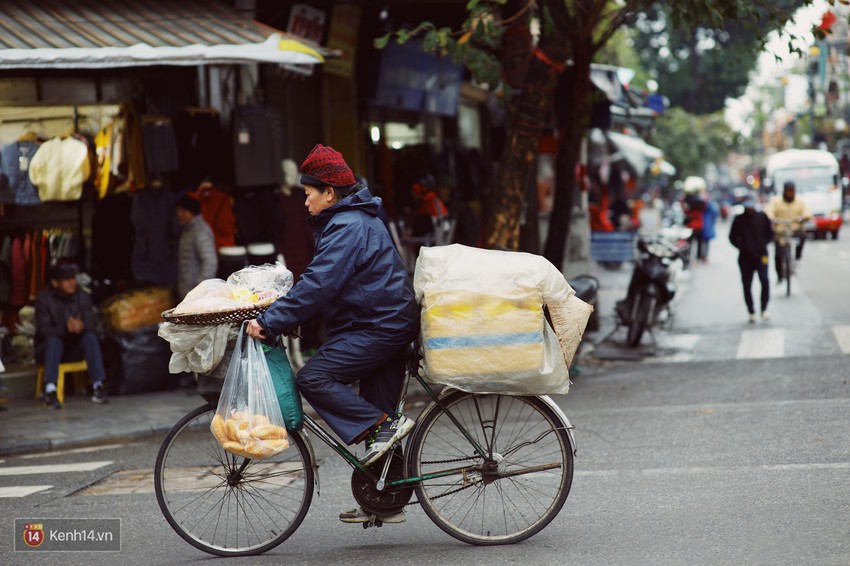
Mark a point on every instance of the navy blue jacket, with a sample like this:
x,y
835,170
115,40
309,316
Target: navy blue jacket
x,y
356,280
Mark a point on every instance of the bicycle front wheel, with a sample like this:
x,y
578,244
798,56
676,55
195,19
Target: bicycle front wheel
x,y
788,269
224,504
510,494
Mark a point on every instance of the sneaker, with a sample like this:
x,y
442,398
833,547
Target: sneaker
x,y
385,436
358,515
752,318
100,396
765,315
51,401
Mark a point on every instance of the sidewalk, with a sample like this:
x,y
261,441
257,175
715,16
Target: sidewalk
x,y
26,426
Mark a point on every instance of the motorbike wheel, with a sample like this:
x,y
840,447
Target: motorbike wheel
x,y
640,319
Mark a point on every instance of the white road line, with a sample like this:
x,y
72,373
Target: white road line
x,y
22,490
52,468
842,336
763,343
717,469
79,450
683,344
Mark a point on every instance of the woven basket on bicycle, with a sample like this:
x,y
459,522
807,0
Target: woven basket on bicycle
x,y
230,316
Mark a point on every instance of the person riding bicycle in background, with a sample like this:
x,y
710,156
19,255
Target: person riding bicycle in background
x,y
358,285
788,207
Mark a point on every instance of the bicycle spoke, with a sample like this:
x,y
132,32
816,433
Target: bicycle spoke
x,y
523,482
266,503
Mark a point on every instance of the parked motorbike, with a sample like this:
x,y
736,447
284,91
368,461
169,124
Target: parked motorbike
x,y
652,286
587,289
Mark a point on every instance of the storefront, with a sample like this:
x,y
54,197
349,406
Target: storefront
x,y
107,116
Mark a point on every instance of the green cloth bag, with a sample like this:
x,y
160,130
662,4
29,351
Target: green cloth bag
x,y
284,386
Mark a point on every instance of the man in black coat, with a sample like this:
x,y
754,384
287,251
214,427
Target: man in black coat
x,y
64,324
751,232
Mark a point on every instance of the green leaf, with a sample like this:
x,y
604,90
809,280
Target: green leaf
x,y
471,4
381,42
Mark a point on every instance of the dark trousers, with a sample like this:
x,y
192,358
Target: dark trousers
x,y
54,347
326,382
750,266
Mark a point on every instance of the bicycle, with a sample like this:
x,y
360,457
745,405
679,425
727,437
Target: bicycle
x,y
787,240
487,469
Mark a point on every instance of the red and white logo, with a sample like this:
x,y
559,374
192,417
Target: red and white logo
x,y
33,534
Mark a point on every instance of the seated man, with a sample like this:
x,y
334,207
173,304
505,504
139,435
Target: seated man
x,y
64,322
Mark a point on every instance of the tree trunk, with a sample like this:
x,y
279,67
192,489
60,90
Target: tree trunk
x,y
569,150
529,113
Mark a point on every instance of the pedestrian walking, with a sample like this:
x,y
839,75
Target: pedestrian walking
x,y
751,233
709,218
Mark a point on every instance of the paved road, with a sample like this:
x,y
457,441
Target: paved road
x,y
700,454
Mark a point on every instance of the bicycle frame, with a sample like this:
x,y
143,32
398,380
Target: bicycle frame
x,y
352,460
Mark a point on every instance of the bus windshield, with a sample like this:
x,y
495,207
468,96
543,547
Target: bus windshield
x,y
806,179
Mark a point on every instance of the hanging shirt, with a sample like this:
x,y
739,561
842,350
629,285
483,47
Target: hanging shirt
x,y
15,163
59,168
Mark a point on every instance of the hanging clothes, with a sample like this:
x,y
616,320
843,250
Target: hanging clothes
x,y
160,145
112,238
202,149
15,162
5,269
258,215
217,210
128,158
157,236
59,168
103,178
256,152
18,293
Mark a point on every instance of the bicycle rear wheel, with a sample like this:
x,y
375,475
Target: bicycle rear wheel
x,y
217,505
518,488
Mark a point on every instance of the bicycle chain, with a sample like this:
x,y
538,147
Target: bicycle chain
x,y
452,492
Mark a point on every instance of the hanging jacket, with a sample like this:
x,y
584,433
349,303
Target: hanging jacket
x,y
14,174
59,168
217,210
355,281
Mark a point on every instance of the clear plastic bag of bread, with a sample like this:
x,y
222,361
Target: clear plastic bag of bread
x,y
248,421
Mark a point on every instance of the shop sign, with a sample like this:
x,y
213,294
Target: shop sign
x,y
306,22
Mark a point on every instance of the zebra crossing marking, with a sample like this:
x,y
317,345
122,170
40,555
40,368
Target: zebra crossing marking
x,y
761,344
21,490
842,336
53,468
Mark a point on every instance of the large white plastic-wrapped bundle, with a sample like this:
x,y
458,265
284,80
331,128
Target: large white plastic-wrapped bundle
x,y
483,327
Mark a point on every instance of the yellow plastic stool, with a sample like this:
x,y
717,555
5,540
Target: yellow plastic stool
x,y
80,380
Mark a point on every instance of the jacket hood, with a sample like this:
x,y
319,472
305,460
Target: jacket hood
x,y
361,200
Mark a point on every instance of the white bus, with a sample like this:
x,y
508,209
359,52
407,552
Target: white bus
x,y
817,178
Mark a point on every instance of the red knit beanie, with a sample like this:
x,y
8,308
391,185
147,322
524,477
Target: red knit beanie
x,y
325,166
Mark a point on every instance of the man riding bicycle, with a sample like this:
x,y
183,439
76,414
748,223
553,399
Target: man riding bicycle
x,y
788,208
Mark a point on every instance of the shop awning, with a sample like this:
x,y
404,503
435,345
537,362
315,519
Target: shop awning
x,y
100,34
634,151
